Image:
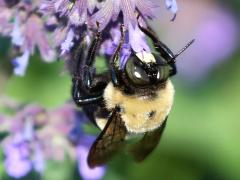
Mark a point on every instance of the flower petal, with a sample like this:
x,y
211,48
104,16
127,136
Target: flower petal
x,y
86,172
17,36
38,159
147,8
137,39
172,6
68,43
16,163
20,63
104,15
128,9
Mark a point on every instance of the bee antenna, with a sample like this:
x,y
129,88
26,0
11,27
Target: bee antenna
x,y
183,49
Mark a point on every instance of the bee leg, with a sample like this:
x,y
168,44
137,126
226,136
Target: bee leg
x,y
115,72
90,59
80,100
92,83
87,86
165,52
93,93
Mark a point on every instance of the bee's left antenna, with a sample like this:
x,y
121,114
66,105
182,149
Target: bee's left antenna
x,y
183,49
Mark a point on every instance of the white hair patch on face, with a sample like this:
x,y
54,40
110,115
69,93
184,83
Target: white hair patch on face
x,y
146,57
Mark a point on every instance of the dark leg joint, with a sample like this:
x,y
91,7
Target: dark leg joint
x,y
88,100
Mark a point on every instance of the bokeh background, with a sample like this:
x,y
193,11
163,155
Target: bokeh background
x,y
201,140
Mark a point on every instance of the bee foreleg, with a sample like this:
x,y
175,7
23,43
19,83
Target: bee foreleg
x,y
115,71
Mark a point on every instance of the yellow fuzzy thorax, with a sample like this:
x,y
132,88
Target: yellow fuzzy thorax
x,y
136,109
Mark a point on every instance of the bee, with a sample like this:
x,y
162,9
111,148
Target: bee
x,y
135,99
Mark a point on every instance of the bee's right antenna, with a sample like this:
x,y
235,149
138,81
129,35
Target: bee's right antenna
x,y
183,49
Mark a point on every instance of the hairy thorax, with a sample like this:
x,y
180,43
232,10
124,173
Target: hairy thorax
x,y
140,113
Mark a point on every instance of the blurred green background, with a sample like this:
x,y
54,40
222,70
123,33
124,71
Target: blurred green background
x,y
201,140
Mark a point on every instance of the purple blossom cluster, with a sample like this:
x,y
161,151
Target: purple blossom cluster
x,y
55,26
21,22
36,135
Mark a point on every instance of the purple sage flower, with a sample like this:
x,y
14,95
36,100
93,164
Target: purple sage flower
x,y
172,6
85,171
17,163
62,24
112,8
36,135
20,63
21,147
22,22
83,143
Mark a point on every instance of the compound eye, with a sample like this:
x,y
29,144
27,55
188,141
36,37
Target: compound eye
x,y
136,73
163,73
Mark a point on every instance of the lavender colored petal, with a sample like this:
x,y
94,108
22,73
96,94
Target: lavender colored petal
x,y
16,163
2,3
17,168
125,53
6,27
75,18
76,133
31,110
82,6
35,35
172,6
115,34
11,147
20,63
16,35
147,8
47,7
116,9
31,32
60,35
28,131
104,15
137,39
91,4
128,9
24,149
38,159
63,6
68,42
2,119
108,47
82,153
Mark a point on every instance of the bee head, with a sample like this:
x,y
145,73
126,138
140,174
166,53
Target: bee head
x,y
146,69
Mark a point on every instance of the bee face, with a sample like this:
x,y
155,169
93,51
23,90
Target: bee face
x,y
145,69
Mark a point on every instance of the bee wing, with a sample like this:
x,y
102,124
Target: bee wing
x,y
147,144
109,142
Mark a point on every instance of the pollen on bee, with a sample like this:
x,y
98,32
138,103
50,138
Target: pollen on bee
x,y
146,57
70,6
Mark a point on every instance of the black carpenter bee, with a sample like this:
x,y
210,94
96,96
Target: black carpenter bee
x,y
134,100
